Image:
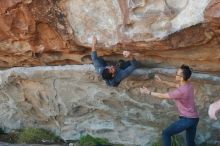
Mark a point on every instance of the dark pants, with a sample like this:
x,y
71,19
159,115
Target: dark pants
x,y
188,124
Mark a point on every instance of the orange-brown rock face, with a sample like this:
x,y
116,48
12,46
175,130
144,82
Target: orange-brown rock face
x,y
165,33
34,33
212,13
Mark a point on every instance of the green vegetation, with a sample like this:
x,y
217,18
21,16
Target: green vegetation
x,y
2,131
88,140
7,137
91,141
175,141
33,135
42,136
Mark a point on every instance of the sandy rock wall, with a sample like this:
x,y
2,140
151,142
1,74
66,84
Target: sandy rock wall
x,y
73,101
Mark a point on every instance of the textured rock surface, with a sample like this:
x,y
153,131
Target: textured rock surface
x,y
72,101
54,32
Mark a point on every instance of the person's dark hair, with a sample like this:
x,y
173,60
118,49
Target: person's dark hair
x,y
106,75
186,72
